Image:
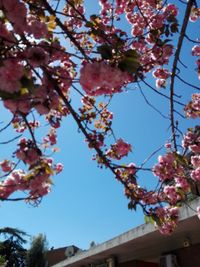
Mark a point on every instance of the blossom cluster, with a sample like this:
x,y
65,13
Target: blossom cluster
x,y
167,219
196,52
192,109
191,140
99,78
37,182
119,150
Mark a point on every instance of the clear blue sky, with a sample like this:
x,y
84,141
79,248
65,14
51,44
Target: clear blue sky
x,y
86,203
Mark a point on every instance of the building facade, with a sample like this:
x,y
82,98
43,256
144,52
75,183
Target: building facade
x,y
144,246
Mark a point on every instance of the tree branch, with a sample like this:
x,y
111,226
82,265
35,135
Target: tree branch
x,y
63,27
174,68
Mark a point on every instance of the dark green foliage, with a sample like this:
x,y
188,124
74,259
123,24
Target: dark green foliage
x,y
130,62
105,51
36,255
11,249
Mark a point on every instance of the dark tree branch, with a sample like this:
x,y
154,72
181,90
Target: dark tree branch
x,y
187,83
174,68
64,28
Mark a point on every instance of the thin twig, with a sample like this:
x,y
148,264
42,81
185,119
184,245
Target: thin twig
x,y
187,83
150,156
148,103
11,140
64,28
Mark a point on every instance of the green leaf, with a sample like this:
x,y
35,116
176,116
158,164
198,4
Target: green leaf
x,y
129,65
131,53
105,50
130,62
89,24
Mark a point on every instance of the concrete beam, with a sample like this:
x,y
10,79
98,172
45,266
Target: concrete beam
x,y
136,242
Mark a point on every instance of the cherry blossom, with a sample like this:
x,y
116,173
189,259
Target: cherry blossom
x,y
191,140
168,219
195,14
119,149
192,109
195,175
99,78
37,28
28,152
10,74
6,165
172,194
196,50
37,56
165,169
58,168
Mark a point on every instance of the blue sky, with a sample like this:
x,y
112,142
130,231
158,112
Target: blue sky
x,y
86,203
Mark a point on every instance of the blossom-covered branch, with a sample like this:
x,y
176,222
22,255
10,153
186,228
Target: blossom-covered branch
x,y
48,50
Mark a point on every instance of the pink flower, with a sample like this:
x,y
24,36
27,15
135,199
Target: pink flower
x,y
166,168
161,73
150,198
171,9
51,137
195,160
16,13
167,219
18,176
195,14
119,150
6,166
167,51
171,193
192,109
157,21
168,145
195,148
131,168
196,50
39,183
122,148
7,187
41,109
28,152
182,183
19,105
160,83
195,175
37,28
191,140
137,30
97,139
59,168
99,78
11,105
10,74
37,56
